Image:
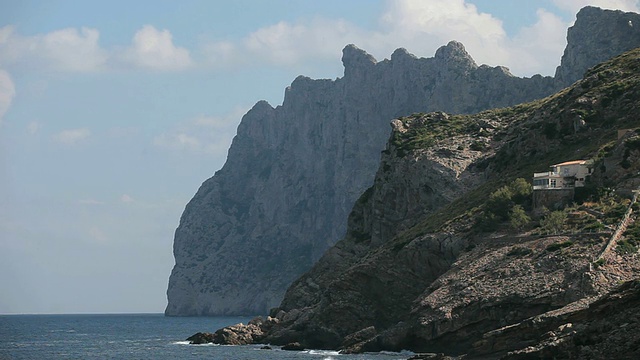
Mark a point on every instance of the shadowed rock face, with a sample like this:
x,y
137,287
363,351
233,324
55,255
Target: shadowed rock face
x,y
294,172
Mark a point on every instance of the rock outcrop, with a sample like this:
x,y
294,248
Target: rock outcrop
x,y
604,329
294,172
416,272
593,39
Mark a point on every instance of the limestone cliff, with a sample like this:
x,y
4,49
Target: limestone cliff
x,y
596,35
294,172
417,269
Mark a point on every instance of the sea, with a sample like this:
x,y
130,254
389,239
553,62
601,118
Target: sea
x,y
136,336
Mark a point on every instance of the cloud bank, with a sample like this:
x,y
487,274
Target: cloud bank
x,y
78,50
418,25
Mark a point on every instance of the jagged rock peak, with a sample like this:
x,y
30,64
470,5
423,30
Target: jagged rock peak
x,y
255,114
591,12
401,54
354,58
597,34
454,52
262,105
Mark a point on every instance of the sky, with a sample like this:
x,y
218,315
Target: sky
x,y
112,113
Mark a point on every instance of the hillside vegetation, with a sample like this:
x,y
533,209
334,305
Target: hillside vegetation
x,y
445,252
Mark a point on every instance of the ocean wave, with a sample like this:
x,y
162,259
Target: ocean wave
x,y
180,343
322,352
188,343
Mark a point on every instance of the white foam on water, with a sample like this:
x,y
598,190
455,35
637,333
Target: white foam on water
x,y
180,343
323,352
185,342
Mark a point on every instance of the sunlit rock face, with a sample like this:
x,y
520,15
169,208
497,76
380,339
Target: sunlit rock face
x,y
597,36
294,172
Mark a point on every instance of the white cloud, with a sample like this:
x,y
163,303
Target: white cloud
x,y
7,93
420,26
537,48
202,134
78,50
573,6
423,26
155,50
417,25
285,44
71,136
67,49
125,198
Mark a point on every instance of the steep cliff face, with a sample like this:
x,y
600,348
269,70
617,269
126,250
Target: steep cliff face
x,y
595,36
294,172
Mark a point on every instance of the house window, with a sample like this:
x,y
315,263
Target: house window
x,y
553,183
541,182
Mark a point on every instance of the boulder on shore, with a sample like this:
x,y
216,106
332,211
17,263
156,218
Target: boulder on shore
x,y
294,346
201,338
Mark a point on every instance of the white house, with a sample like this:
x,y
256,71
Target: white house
x,y
566,175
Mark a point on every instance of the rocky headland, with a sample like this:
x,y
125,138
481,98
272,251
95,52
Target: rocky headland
x,y
445,253
294,172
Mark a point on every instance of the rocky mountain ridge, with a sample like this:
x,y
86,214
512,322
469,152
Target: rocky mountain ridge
x,y
294,171
442,283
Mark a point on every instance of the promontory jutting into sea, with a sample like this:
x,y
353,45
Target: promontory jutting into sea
x,y
395,208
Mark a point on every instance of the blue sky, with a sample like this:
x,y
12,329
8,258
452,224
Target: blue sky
x,y
113,113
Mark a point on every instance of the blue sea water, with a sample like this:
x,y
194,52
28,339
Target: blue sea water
x,y
134,336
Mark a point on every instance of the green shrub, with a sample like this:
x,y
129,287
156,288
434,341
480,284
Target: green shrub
x,y
520,251
478,146
487,222
554,222
499,202
518,218
632,144
558,246
507,204
521,191
615,213
633,232
626,246
596,225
